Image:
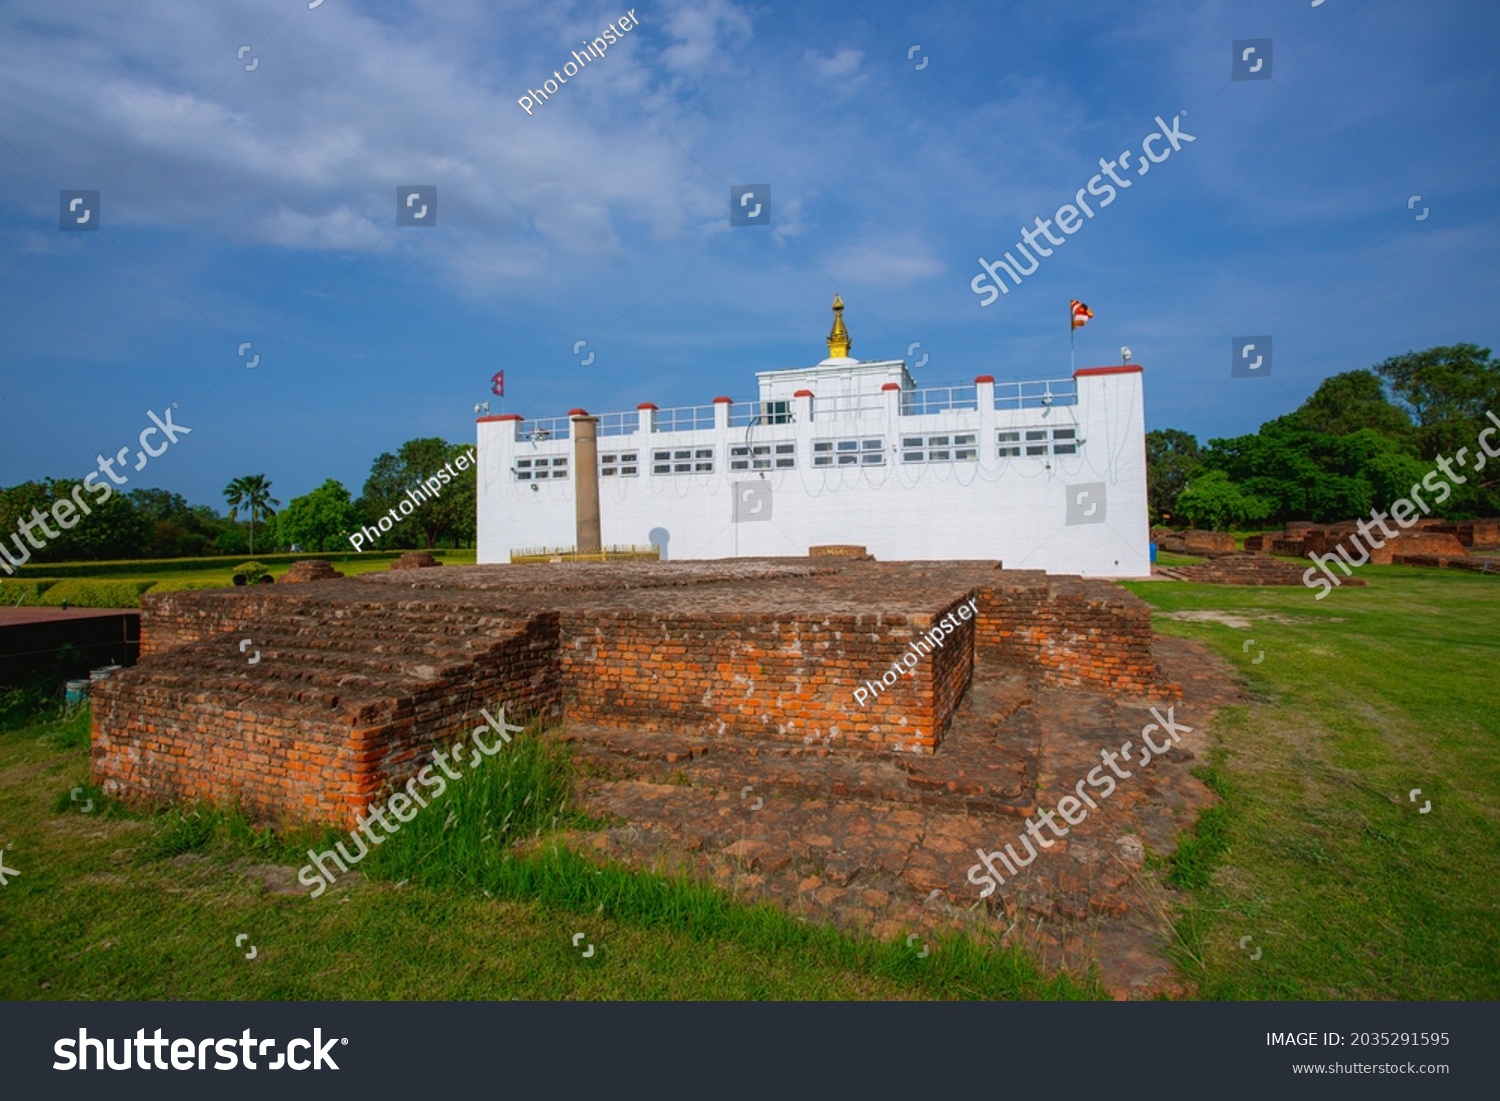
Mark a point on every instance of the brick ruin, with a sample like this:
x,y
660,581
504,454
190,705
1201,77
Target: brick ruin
x,y
357,678
1425,537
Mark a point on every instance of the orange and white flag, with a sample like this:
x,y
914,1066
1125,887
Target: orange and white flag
x,y
1081,314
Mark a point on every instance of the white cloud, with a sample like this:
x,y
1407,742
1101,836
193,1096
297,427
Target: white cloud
x,y
703,30
841,66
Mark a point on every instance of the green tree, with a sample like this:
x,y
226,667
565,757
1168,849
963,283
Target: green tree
x,y
319,520
1212,501
113,529
1447,389
179,528
1351,402
1172,457
451,514
253,493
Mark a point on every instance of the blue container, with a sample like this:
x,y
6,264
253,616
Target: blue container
x,y
1153,554
77,691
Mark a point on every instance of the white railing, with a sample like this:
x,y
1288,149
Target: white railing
x,y
1036,395
747,414
685,418
853,405
543,429
939,399
619,424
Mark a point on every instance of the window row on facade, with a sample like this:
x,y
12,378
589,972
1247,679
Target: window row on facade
x,y
856,451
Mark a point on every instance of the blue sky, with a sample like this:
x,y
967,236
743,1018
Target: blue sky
x,y
260,206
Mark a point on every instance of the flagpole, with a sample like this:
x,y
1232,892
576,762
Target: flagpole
x,y
1072,348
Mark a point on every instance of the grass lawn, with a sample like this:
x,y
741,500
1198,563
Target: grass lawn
x,y
352,565
1319,853
115,905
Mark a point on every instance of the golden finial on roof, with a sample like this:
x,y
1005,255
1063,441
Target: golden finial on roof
x,y
838,338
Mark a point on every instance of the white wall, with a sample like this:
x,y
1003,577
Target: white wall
x,y
1010,509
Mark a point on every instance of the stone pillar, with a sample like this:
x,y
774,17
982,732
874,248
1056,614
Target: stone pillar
x,y
586,481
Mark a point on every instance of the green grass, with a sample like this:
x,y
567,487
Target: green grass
x,y
1167,558
170,575
1317,851
125,905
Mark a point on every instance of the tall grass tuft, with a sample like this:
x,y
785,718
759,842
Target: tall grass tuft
x,y
461,836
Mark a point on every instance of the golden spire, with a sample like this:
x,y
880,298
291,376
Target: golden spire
x,y
838,338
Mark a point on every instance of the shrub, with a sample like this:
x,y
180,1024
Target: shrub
x,y
253,571
83,592
32,587
134,567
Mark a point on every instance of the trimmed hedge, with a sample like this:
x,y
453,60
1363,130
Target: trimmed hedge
x,y
226,562
82,592
11,590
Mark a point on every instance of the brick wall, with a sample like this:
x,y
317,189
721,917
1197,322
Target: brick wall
x,y
295,758
782,678
1072,632
173,619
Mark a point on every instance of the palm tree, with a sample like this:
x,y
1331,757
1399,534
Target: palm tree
x,y
251,492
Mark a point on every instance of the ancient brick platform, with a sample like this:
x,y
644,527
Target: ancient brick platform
x,y
355,676
712,708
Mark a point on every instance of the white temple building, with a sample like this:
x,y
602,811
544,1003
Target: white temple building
x,y
1046,475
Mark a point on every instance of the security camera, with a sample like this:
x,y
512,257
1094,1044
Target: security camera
x,y
1124,355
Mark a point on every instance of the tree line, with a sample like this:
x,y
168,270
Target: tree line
x,y
157,523
1360,442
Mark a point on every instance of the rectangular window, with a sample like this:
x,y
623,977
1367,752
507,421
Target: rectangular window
x,y
754,457
618,464
939,449
537,469
862,452
1037,442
